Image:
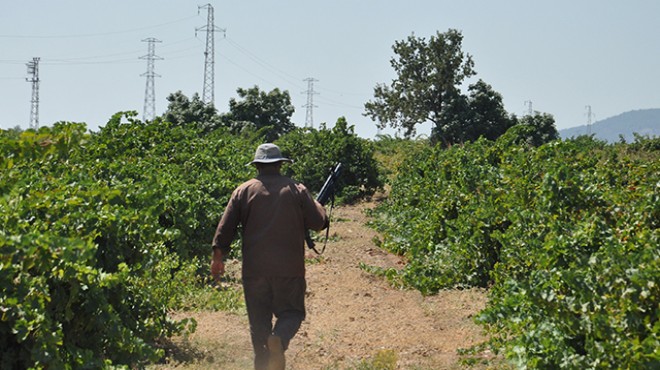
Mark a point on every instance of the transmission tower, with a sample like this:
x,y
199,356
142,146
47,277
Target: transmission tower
x,y
309,119
590,115
33,71
208,95
528,104
149,91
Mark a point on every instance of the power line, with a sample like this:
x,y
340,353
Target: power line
x,y
107,58
11,61
63,62
293,80
336,103
241,67
131,52
149,92
82,35
287,77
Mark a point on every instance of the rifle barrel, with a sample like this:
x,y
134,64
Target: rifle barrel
x,y
328,186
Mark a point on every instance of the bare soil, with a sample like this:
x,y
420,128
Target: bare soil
x,y
353,317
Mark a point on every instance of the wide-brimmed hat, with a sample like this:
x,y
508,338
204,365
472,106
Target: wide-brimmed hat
x,y
268,153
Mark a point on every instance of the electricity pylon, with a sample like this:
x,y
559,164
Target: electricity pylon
x,y
150,91
33,71
309,119
590,115
208,95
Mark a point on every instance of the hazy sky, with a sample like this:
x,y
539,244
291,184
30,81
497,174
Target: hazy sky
x,y
560,55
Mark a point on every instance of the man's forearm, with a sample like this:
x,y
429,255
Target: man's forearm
x,y
217,253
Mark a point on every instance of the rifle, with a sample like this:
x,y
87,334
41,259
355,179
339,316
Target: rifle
x,y
327,193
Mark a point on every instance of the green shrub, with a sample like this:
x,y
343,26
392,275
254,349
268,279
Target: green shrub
x,y
565,235
98,235
441,213
315,153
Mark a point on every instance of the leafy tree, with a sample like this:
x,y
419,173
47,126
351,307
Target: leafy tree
x,y
467,118
544,125
645,142
269,113
534,130
488,118
427,87
182,110
14,133
315,152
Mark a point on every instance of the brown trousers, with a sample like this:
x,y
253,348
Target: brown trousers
x,y
281,297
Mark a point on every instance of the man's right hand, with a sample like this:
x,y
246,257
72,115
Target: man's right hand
x,y
217,265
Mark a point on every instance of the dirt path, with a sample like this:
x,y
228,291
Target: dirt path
x,y
352,317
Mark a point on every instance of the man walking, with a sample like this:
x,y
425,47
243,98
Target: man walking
x,y
274,212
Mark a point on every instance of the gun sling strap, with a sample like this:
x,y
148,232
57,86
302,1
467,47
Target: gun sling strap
x,y
327,229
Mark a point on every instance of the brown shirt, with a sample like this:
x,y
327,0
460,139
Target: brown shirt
x,y
274,212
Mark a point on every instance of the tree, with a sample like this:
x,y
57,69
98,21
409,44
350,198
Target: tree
x,y
12,133
427,87
534,130
487,116
543,125
270,113
467,118
182,110
315,152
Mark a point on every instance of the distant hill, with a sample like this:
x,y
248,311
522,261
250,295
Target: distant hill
x,y
643,122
